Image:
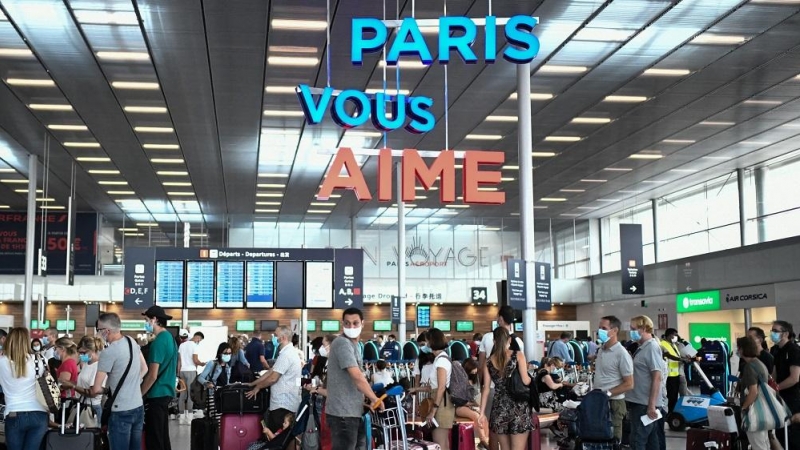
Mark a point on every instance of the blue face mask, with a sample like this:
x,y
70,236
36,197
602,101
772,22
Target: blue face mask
x,y
275,341
635,335
85,358
45,340
56,356
226,358
425,349
603,336
775,337
148,327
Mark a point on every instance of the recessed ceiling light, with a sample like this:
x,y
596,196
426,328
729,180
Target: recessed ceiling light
x,y
679,141
280,113
363,134
167,160
457,206
45,199
511,167
4,207
318,211
534,96
180,194
593,180
6,170
93,159
268,203
291,24
161,146
562,138
718,39
293,61
587,207
608,200
618,169
15,52
603,35
121,193
146,109
543,154
552,199
388,91
630,192
30,82
572,191
667,72
49,107
593,120
269,194
646,156
654,181
14,181
112,183
91,16
570,215
506,179
104,172
50,207
147,224
134,85
717,123
280,89
552,68
483,137
755,143
273,211
763,102
271,185
404,64
153,129
124,56
128,229
273,175
172,173
684,170
497,118
60,127
293,49
717,158
81,144
25,191
625,98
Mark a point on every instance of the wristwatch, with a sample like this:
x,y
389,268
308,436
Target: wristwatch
x,y
609,394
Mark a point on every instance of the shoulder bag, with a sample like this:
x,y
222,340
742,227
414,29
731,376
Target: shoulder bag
x,y
768,412
109,404
47,391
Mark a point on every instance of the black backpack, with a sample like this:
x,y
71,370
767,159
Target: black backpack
x,y
594,417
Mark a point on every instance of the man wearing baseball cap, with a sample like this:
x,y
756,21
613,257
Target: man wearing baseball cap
x,y
158,386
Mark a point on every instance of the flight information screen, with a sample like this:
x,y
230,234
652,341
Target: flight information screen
x,y
200,284
260,284
230,284
319,285
169,284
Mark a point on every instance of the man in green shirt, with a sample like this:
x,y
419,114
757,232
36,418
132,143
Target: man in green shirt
x,y
158,386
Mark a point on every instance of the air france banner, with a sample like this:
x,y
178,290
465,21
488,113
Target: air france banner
x,y
387,112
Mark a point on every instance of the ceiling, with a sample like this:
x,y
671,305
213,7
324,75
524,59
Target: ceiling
x,y
183,110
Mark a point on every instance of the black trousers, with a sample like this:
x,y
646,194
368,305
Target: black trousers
x,y
156,423
673,389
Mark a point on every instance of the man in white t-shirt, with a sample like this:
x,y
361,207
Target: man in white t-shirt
x,y
188,362
505,319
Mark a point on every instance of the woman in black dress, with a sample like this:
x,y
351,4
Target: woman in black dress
x,y
510,420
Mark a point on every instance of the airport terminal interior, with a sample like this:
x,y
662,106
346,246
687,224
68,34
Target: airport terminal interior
x,y
248,164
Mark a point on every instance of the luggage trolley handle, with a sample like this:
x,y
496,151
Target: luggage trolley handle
x,y
64,416
702,375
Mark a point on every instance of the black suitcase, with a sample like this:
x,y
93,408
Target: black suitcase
x,y
231,400
73,439
204,434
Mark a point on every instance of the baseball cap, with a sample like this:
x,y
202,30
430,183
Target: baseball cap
x,y
184,333
157,311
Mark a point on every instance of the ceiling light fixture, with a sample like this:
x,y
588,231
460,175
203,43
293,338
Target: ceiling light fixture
x,y
667,72
603,35
280,89
177,183
81,144
49,107
30,82
45,199
497,118
146,109
552,199
646,156
625,98
293,61
511,167
50,207
166,160
121,193
271,185
592,120
112,183
273,175
763,102
363,134
128,229
271,211
543,154
593,180
679,141
59,127
457,206
153,129
92,159
717,123
25,191
124,56
104,172
292,24
552,68
268,203
318,211
534,96
269,194
134,85
562,138
147,224
618,169
506,179
14,181
404,64
572,191
172,173
180,194
15,52
394,92
483,137
280,113
718,39
161,146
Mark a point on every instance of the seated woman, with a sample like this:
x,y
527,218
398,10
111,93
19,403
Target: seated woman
x,y
472,409
273,440
552,392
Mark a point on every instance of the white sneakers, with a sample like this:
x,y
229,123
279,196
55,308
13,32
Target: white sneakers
x,y
185,418
198,414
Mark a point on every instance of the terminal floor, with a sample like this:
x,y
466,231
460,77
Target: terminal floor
x,y
181,438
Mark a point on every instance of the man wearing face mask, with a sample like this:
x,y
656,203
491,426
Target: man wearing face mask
x,y
613,371
645,399
347,386
158,386
673,357
49,341
284,379
786,372
254,352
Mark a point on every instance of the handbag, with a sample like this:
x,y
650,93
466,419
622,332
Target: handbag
x,y
88,418
517,390
47,391
768,412
109,404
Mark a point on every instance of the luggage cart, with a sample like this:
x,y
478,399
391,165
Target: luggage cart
x,y
392,424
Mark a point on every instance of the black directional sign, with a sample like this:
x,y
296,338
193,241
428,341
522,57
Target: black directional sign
x,y
517,291
140,278
479,295
632,261
395,309
544,297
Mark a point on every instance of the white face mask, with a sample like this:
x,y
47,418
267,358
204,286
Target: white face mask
x,y
323,352
674,339
353,333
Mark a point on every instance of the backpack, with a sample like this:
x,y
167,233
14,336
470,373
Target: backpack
x,y
594,417
198,392
459,383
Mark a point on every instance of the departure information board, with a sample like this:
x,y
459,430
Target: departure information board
x,y
230,284
319,285
169,284
260,284
200,284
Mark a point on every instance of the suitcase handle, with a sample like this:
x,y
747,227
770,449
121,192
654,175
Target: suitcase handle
x,y
64,416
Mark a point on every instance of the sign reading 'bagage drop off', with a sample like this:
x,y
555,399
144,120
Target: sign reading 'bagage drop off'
x,y
392,112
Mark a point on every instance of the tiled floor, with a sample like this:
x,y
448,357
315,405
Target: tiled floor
x,y
180,437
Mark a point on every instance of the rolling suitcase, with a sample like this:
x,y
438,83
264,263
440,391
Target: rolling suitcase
x,y
80,439
231,400
696,438
204,434
238,431
535,437
418,444
463,436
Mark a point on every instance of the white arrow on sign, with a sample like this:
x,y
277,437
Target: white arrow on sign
x,y
633,288
138,301
348,302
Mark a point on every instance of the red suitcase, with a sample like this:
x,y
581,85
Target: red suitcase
x,y
535,438
724,441
696,438
463,436
238,431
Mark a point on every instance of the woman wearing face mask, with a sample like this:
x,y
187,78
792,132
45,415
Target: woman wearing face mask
x,y
217,372
36,346
319,368
67,352
89,353
551,390
472,409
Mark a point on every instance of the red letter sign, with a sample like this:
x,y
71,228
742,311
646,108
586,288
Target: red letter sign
x,y
473,177
354,179
414,168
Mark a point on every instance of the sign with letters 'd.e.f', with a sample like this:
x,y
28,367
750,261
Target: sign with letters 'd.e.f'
x,y
632,261
542,285
479,295
140,282
516,291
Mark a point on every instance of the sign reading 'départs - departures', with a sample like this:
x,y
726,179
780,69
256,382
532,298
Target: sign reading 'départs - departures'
x,y
392,112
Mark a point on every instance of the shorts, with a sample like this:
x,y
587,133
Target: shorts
x,y
446,413
275,419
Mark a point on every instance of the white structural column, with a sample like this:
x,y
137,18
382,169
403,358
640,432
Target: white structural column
x,y
187,231
401,256
29,240
526,206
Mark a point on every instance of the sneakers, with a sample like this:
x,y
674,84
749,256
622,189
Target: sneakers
x,y
198,414
185,418
173,416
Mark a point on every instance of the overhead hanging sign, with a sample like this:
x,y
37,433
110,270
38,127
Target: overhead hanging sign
x,y
395,309
632,264
517,291
747,297
544,300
